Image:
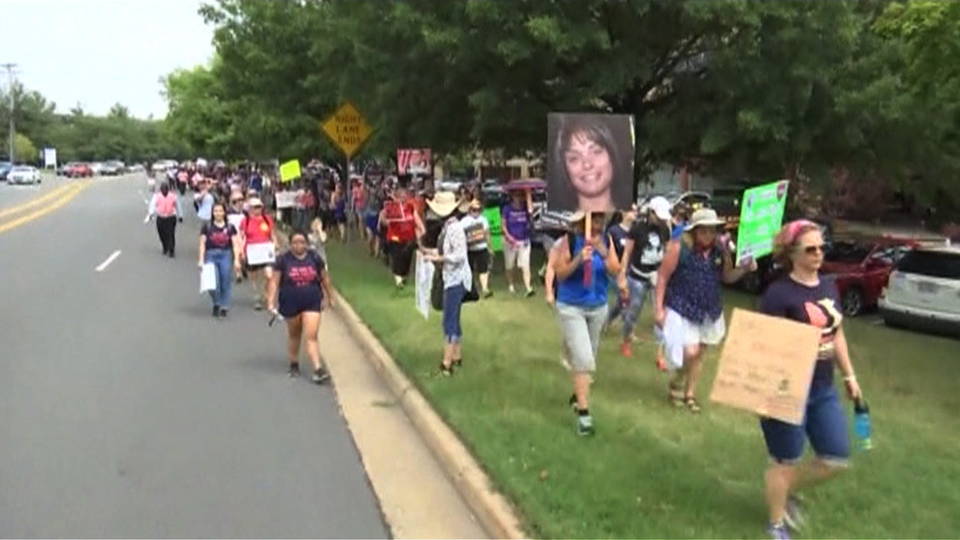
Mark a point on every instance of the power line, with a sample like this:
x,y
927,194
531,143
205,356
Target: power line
x,y
9,67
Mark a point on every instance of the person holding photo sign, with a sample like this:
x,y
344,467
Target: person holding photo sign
x,y
689,308
803,296
582,304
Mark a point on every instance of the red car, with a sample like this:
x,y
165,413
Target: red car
x,y
76,170
862,268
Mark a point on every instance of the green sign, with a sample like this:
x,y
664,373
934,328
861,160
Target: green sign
x,y
761,214
496,228
290,171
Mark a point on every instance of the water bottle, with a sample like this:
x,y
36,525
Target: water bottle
x,y
861,423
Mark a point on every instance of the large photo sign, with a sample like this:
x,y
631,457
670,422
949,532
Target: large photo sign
x,y
414,161
590,162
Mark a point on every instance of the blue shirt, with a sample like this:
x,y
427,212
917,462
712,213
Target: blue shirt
x,y
571,291
205,209
694,288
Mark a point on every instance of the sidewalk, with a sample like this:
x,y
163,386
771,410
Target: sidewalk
x,y
416,497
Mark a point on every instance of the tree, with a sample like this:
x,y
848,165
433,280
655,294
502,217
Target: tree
x,y
23,149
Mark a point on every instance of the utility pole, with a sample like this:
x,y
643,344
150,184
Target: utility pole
x,y
9,67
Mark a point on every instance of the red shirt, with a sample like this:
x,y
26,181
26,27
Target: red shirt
x,y
401,226
257,229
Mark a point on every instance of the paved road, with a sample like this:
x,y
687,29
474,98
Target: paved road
x,y
126,411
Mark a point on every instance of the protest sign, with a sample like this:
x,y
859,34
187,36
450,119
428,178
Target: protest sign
x,y
424,280
496,227
761,214
260,253
414,161
285,199
590,165
290,171
766,366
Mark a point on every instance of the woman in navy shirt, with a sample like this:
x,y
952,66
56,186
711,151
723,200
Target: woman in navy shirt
x,y
802,295
220,246
300,276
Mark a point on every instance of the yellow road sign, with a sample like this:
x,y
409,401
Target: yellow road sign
x,y
347,128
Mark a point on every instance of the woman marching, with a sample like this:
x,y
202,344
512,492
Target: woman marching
x,y
220,246
582,303
689,307
803,296
301,287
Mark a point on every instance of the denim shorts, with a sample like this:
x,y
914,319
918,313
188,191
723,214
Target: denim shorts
x,y
824,423
452,302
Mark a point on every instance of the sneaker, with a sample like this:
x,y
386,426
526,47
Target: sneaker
x,y
223,313
216,311
512,290
795,517
293,371
778,532
625,350
320,376
488,294
584,425
530,293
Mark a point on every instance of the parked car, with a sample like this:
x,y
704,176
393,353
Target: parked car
x,y
136,168
97,168
78,169
924,291
163,164
112,168
5,167
23,174
861,269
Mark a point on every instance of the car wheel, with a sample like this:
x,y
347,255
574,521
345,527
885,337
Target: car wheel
x,y
852,302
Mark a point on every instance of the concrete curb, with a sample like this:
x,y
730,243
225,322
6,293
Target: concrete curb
x,y
491,508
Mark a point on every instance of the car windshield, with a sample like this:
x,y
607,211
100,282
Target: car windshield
x,y
931,263
848,252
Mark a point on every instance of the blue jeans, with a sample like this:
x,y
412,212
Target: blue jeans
x,y
824,423
223,260
452,302
639,290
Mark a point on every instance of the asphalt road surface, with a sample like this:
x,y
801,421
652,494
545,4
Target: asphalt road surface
x,y
126,410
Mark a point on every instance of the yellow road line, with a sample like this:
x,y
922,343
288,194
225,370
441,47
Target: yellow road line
x,y
33,202
77,188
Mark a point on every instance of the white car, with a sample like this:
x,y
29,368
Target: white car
x,y
23,174
163,165
924,291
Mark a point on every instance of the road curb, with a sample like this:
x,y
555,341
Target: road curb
x,y
491,508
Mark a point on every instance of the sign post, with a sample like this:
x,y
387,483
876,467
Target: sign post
x,y
761,214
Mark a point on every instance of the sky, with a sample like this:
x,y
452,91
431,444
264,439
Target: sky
x,y
100,52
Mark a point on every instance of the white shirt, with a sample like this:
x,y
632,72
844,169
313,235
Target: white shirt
x,y
456,270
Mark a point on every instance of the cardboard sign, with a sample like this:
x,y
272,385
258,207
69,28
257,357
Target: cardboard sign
x,y
414,161
290,171
766,366
590,162
347,129
260,253
285,199
761,214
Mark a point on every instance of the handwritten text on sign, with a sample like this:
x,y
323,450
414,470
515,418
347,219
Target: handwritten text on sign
x,y
766,366
347,129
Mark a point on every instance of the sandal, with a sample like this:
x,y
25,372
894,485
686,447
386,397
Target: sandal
x,y
692,404
675,394
446,370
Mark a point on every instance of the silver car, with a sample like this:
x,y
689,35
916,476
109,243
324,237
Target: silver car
x,y
23,174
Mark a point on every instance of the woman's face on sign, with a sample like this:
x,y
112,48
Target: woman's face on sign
x,y
588,166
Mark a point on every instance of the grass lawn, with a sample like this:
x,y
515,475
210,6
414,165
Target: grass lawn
x,y
651,470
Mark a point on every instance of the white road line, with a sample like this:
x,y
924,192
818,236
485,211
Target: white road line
x,y
109,260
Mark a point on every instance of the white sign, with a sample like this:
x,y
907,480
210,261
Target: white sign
x,y
50,157
260,253
208,278
424,281
286,199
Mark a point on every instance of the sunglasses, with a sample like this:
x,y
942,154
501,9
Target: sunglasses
x,y
810,250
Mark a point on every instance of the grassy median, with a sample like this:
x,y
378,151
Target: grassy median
x,y
652,470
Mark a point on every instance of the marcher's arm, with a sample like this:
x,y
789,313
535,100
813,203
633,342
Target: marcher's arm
x,y
152,207
610,258
567,265
328,289
272,287
550,276
733,275
669,264
202,250
846,366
